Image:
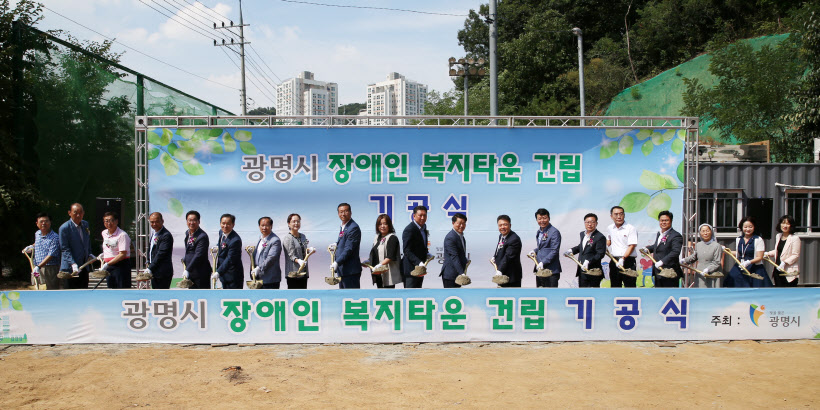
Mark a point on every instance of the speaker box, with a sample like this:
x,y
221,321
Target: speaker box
x,y
761,210
103,205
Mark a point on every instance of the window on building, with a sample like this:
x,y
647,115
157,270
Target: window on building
x,y
804,207
721,209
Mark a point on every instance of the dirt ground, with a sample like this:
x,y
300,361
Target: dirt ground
x,y
514,375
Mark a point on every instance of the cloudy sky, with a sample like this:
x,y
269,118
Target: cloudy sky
x,y
348,45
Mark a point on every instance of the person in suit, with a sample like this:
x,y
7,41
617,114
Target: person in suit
x,y
75,246
786,252
414,245
508,253
160,247
266,255
197,264
116,253
590,252
229,267
348,265
455,252
623,238
548,242
296,248
666,251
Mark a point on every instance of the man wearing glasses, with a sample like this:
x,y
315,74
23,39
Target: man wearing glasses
x,y
590,252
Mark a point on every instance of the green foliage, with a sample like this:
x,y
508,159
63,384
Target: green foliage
x,y
806,116
262,111
751,101
635,93
352,108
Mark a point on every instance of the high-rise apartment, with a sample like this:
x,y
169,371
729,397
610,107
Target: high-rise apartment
x,y
396,96
304,95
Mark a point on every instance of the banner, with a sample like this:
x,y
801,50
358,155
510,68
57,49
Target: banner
x,y
418,315
481,172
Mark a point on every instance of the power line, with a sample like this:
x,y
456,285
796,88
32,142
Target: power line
x,y
251,77
194,29
266,64
258,69
374,8
113,40
185,10
258,74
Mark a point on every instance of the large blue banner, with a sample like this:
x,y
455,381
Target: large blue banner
x,y
481,172
413,315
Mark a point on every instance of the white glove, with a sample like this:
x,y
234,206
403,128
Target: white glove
x,y
421,263
28,249
310,250
681,261
782,266
586,265
644,250
36,272
104,267
74,267
379,266
705,271
620,263
147,270
658,264
568,253
498,273
334,265
725,248
185,274
332,247
532,253
540,265
215,276
255,271
746,264
300,262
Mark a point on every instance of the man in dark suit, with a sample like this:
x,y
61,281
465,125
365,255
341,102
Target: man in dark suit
x,y
197,264
548,242
666,251
266,255
348,265
590,252
455,252
160,246
508,253
75,244
414,241
229,267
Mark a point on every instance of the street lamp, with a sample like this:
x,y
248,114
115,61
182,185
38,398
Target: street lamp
x,y
466,67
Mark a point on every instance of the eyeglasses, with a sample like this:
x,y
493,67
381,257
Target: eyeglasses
x,y
590,222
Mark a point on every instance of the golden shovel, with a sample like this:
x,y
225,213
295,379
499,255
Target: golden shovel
x,y
101,273
35,279
301,271
332,280
374,270
591,272
665,272
185,283
776,266
253,283
419,271
541,273
214,254
463,279
742,268
632,273
68,275
499,279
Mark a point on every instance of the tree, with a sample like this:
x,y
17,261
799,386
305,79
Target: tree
x,y
806,116
751,100
262,111
351,108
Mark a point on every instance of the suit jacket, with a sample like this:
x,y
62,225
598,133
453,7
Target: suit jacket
x,y
508,256
269,270
667,252
546,250
229,258
791,252
593,252
196,258
455,256
347,251
160,255
75,246
414,248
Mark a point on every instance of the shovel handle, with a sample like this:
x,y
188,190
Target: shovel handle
x,y
616,260
732,254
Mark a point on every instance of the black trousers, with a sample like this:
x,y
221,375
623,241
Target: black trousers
x,y
661,282
351,282
200,282
80,282
781,282
272,285
617,278
161,283
513,283
589,281
449,283
550,282
120,275
297,283
411,281
379,282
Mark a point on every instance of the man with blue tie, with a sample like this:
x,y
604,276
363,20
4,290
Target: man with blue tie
x,y
348,265
266,255
455,252
75,243
548,242
160,246
507,255
229,258
414,241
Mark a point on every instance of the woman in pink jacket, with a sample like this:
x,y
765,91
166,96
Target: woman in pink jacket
x,y
786,253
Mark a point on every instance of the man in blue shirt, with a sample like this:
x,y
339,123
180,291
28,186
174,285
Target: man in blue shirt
x,y
46,252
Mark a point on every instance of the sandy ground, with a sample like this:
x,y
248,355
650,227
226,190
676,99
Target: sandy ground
x,y
556,375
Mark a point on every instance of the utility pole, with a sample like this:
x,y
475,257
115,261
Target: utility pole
x,y
244,92
493,20
577,32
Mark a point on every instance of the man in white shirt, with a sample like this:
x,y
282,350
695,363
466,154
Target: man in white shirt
x,y
622,238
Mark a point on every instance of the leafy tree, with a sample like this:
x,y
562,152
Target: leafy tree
x,y
751,100
352,108
806,117
263,111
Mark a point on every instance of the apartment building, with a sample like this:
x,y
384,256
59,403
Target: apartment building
x,y
304,95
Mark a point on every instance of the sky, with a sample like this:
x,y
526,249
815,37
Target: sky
x,y
353,47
